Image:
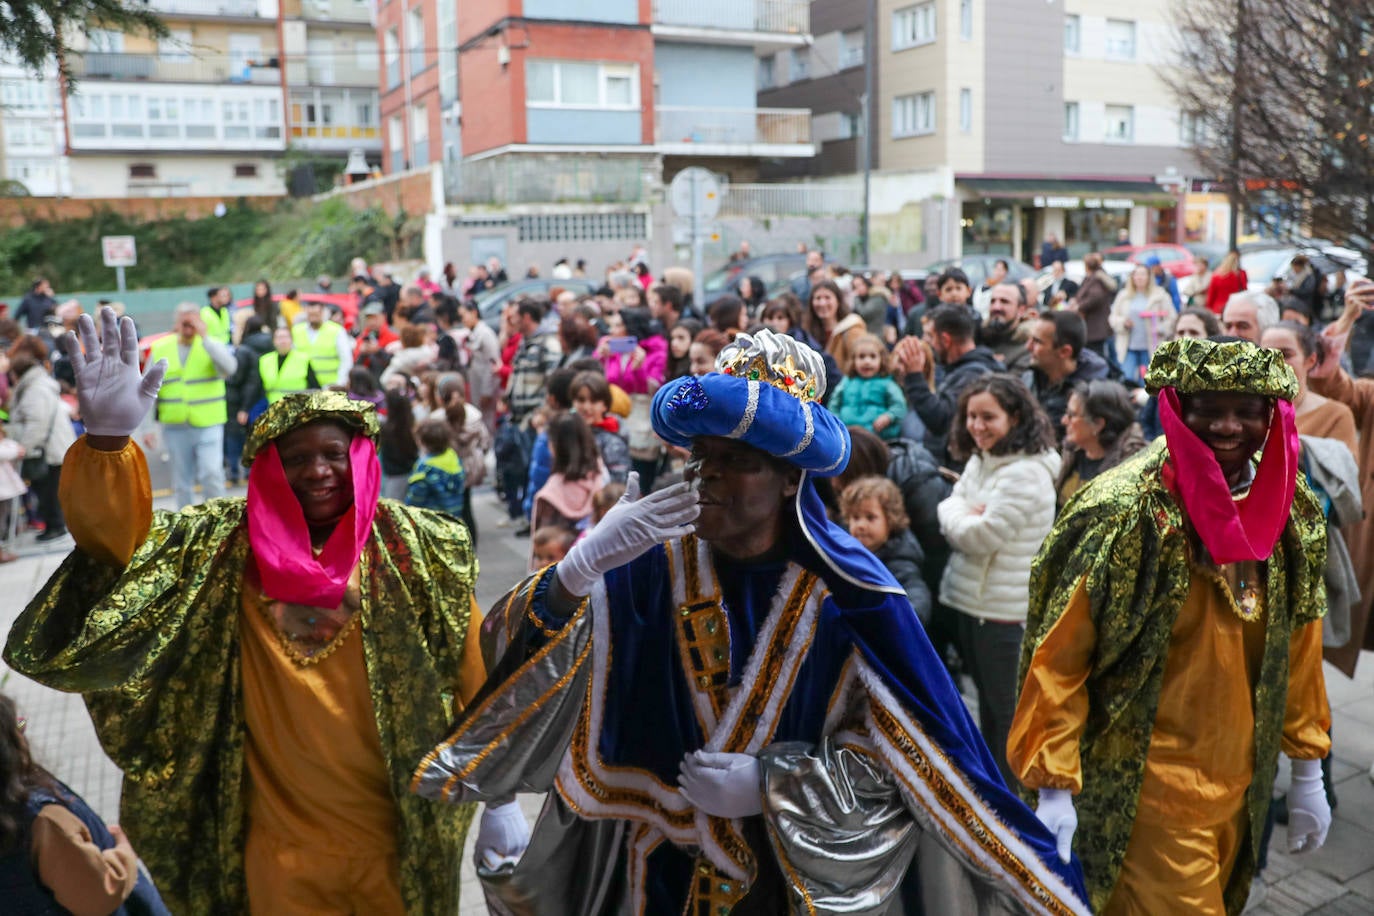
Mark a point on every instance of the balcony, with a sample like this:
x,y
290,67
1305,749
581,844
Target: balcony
x,y
769,25
504,180
155,68
329,72
691,131
240,9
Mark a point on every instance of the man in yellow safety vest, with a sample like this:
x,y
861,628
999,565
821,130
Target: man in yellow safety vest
x,y
284,371
326,343
190,404
219,322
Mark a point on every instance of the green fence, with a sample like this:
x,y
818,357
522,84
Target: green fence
x,y
152,309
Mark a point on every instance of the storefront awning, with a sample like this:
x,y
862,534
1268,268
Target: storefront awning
x,y
1069,193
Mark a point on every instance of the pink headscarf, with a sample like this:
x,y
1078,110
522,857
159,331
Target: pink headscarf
x,y
1232,530
279,537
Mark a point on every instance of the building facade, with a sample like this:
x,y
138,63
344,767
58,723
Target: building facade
x,y
31,131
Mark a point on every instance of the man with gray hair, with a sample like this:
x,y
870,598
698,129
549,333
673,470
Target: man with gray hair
x,y
1249,315
191,406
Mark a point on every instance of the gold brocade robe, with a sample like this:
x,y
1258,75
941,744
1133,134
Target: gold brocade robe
x,y
154,647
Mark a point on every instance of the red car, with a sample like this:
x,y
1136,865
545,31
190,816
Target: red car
x,y
1176,259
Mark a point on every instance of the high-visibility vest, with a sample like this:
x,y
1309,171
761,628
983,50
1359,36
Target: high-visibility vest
x,y
323,351
192,393
219,326
287,378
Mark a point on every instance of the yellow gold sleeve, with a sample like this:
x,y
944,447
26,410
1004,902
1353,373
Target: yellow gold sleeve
x,y
107,499
474,673
1042,748
1307,716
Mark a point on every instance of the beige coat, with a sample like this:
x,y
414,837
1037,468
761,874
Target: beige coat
x,y
1158,301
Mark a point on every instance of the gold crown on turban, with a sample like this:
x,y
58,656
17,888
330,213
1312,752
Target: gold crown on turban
x,y
1192,366
777,360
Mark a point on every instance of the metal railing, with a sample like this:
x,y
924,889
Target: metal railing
x,y
791,17
689,124
103,65
765,200
243,8
544,179
338,73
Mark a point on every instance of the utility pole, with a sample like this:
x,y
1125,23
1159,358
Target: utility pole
x,y
1237,110
870,46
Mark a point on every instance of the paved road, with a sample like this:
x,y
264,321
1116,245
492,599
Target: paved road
x,y
1338,879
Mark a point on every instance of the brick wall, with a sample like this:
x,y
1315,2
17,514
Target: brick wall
x,y
16,211
411,192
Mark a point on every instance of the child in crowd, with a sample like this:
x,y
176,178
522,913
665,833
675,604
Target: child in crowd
x,y
576,473
551,544
868,396
706,346
438,481
872,507
591,398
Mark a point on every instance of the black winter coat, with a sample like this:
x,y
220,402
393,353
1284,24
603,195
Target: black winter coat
x,y
901,554
917,475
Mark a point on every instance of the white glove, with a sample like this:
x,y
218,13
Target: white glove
x,y
502,835
631,527
113,395
1309,814
1056,811
722,785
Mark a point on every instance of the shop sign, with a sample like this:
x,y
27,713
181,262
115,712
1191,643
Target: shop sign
x,y
1089,203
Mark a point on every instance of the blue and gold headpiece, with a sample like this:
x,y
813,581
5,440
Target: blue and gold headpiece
x,y
766,392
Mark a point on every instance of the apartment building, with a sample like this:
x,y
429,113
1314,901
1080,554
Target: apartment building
x,y
1050,116
31,130
332,64
828,77
645,83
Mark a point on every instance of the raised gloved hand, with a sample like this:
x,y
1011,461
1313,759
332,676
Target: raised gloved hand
x,y
1056,811
1309,813
722,785
502,835
113,395
631,527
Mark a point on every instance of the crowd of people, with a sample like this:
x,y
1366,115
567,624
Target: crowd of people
x,y
1070,501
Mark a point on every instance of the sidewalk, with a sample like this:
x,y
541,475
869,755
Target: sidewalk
x,y
1338,879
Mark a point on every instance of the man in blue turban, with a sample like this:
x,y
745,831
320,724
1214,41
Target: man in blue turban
x,y
730,702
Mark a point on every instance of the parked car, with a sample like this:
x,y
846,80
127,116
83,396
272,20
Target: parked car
x,y
775,270
1176,259
490,302
346,302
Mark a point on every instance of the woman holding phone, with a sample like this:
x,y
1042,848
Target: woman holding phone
x,y
635,358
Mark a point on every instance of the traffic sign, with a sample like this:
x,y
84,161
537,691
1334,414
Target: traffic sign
x,y
695,192
119,250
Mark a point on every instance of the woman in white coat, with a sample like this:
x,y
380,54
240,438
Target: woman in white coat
x,y
995,519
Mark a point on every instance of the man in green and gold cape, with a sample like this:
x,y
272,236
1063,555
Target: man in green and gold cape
x,y
1173,646
266,671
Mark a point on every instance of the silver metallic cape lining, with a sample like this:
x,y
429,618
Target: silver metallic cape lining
x,y
516,755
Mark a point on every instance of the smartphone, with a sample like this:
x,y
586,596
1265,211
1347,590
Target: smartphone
x,y
622,344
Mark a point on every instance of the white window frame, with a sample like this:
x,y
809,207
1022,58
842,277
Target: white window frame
x,y
914,26
768,71
913,115
798,64
851,49
176,47
1071,122
1117,49
1192,129
1111,116
966,111
605,69
1073,34
966,20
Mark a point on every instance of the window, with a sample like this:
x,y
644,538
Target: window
x,y
966,110
419,134
104,41
1071,121
912,26
237,118
142,170
365,53
913,115
1120,39
851,125
1192,129
200,119
391,51
852,49
799,64
363,115
768,71
581,84
415,38
1073,34
246,170
966,20
1120,124
245,50
176,46
396,134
